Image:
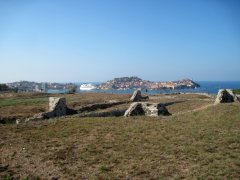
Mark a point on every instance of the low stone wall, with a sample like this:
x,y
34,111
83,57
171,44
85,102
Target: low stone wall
x,y
113,113
94,107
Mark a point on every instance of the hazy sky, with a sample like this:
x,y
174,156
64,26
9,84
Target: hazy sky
x,y
97,40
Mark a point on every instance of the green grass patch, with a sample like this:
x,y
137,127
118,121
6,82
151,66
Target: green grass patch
x,y
26,101
236,91
104,168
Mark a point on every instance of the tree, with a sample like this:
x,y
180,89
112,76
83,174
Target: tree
x,y
4,87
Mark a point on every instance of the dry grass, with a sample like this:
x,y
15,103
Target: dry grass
x,y
204,144
23,105
195,145
15,106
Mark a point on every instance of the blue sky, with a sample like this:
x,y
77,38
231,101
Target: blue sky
x,y
97,40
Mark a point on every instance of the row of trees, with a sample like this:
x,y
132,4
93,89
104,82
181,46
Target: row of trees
x,y
5,88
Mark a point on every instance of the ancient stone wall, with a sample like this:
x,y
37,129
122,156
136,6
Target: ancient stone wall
x,y
57,108
147,109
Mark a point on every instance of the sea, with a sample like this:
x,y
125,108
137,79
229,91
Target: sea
x,y
210,87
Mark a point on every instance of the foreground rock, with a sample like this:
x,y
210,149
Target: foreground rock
x,y
225,96
57,108
137,96
147,109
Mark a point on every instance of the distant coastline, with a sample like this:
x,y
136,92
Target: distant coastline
x,y
210,87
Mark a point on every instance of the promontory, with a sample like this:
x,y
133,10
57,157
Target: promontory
x,y
136,82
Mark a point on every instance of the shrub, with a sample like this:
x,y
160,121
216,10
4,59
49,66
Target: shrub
x,y
236,91
4,87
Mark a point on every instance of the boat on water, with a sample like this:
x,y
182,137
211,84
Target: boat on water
x,y
87,87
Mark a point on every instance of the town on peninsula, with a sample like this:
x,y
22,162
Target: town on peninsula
x,y
121,83
136,82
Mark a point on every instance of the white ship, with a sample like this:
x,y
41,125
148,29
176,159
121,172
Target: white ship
x,y
87,87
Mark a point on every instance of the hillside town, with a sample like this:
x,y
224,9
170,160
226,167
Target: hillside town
x,y
136,82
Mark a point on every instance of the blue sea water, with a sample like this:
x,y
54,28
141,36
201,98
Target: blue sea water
x,y
54,91
210,87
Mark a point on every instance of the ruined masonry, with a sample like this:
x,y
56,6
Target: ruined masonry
x,y
135,109
225,96
147,109
155,109
137,96
57,108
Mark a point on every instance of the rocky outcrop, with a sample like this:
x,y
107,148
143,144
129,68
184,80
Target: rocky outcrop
x,y
225,96
57,108
137,96
147,109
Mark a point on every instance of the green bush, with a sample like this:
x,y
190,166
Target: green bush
x,y
4,87
236,91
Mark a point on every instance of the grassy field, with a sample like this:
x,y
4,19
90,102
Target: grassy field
x,y
202,144
20,106
15,106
